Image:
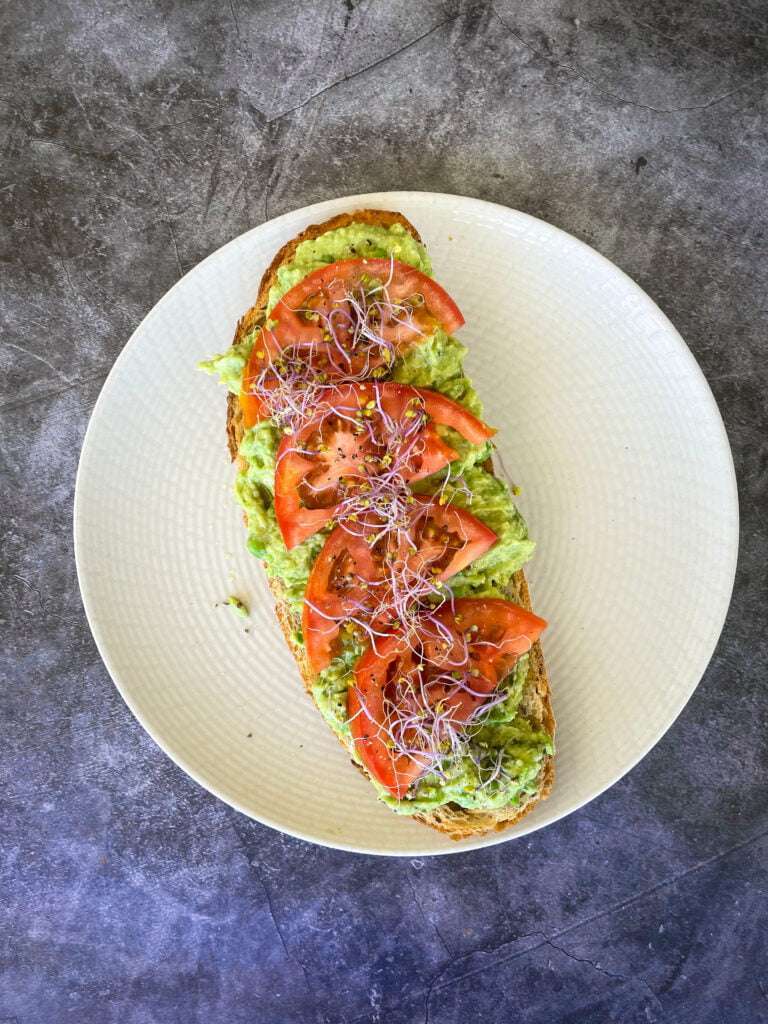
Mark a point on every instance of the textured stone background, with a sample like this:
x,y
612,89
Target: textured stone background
x,y
136,138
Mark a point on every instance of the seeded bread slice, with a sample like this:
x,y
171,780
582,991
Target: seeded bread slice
x,y
536,707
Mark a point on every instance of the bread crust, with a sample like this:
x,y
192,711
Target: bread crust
x,y
452,820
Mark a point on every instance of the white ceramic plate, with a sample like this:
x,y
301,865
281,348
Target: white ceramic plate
x,y
604,419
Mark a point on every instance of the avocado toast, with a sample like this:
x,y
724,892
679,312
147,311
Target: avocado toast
x,y
465,744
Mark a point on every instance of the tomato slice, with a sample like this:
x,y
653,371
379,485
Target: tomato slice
x,y
448,413
497,631
405,703
252,409
352,580
271,366
442,539
339,586
317,465
366,435
352,303
377,676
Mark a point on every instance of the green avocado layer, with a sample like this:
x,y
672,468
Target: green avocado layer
x,y
506,753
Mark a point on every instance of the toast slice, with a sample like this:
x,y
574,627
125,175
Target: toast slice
x,y
451,819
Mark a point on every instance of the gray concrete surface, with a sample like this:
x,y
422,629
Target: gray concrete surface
x,y
136,138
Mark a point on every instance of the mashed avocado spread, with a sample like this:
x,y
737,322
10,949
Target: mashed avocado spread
x,y
506,751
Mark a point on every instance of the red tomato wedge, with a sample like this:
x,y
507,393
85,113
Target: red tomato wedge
x,y
252,409
376,676
270,367
497,631
351,579
442,538
339,585
365,442
253,406
405,703
450,414
392,300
